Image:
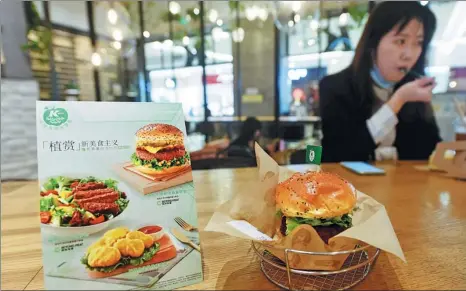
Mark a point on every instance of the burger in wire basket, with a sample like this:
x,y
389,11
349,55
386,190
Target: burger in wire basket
x,y
320,199
312,208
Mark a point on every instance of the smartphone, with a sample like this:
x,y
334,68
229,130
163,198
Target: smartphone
x,y
362,168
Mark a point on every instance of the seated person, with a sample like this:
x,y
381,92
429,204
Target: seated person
x,y
243,145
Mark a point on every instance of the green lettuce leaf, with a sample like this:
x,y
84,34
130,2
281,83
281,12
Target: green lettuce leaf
x,y
110,183
46,203
154,164
122,203
293,222
88,179
51,184
124,261
63,182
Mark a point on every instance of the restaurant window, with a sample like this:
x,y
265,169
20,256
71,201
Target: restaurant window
x,y
446,61
219,22
72,66
39,8
84,68
172,52
72,14
68,75
117,28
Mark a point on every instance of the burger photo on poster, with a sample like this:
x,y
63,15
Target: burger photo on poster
x,y
160,150
320,199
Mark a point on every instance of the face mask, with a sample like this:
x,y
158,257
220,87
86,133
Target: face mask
x,y
379,80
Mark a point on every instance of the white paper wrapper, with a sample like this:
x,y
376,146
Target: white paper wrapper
x,y
251,214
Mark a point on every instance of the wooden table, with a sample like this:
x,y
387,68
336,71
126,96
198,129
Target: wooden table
x,y
427,210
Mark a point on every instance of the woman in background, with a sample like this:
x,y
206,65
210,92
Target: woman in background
x,y
249,134
376,109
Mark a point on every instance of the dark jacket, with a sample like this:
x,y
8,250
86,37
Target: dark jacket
x,y
345,133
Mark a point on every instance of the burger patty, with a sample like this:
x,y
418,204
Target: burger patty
x,y
95,207
106,197
90,186
325,232
92,193
163,155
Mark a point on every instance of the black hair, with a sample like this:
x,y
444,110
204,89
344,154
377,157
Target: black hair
x,y
248,131
382,19
250,126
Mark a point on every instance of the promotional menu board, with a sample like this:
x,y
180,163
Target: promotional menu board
x,y
117,199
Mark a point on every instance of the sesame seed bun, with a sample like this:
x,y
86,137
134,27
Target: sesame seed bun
x,y
159,134
315,195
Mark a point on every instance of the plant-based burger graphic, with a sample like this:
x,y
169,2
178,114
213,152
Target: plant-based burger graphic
x,y
160,150
72,202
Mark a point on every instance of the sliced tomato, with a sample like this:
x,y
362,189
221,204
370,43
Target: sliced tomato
x,y
45,216
46,193
74,184
97,220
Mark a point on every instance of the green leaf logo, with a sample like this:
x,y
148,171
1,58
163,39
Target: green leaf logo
x,y
55,116
313,154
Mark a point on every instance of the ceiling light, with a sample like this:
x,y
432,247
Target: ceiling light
x,y
174,7
186,40
213,15
343,19
96,59
196,11
238,34
217,33
295,5
291,23
219,22
170,83
251,13
168,43
117,35
116,45
263,14
146,34
112,16
453,84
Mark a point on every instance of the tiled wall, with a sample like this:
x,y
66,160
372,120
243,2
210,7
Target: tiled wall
x,y
18,125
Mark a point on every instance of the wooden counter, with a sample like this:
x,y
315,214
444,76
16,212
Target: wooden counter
x,y
427,210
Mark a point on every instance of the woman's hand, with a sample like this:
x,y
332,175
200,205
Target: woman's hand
x,y
419,90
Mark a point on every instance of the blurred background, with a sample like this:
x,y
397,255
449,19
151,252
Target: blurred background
x,y
223,60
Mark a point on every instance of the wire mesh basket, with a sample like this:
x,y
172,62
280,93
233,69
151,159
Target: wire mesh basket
x,y
353,271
